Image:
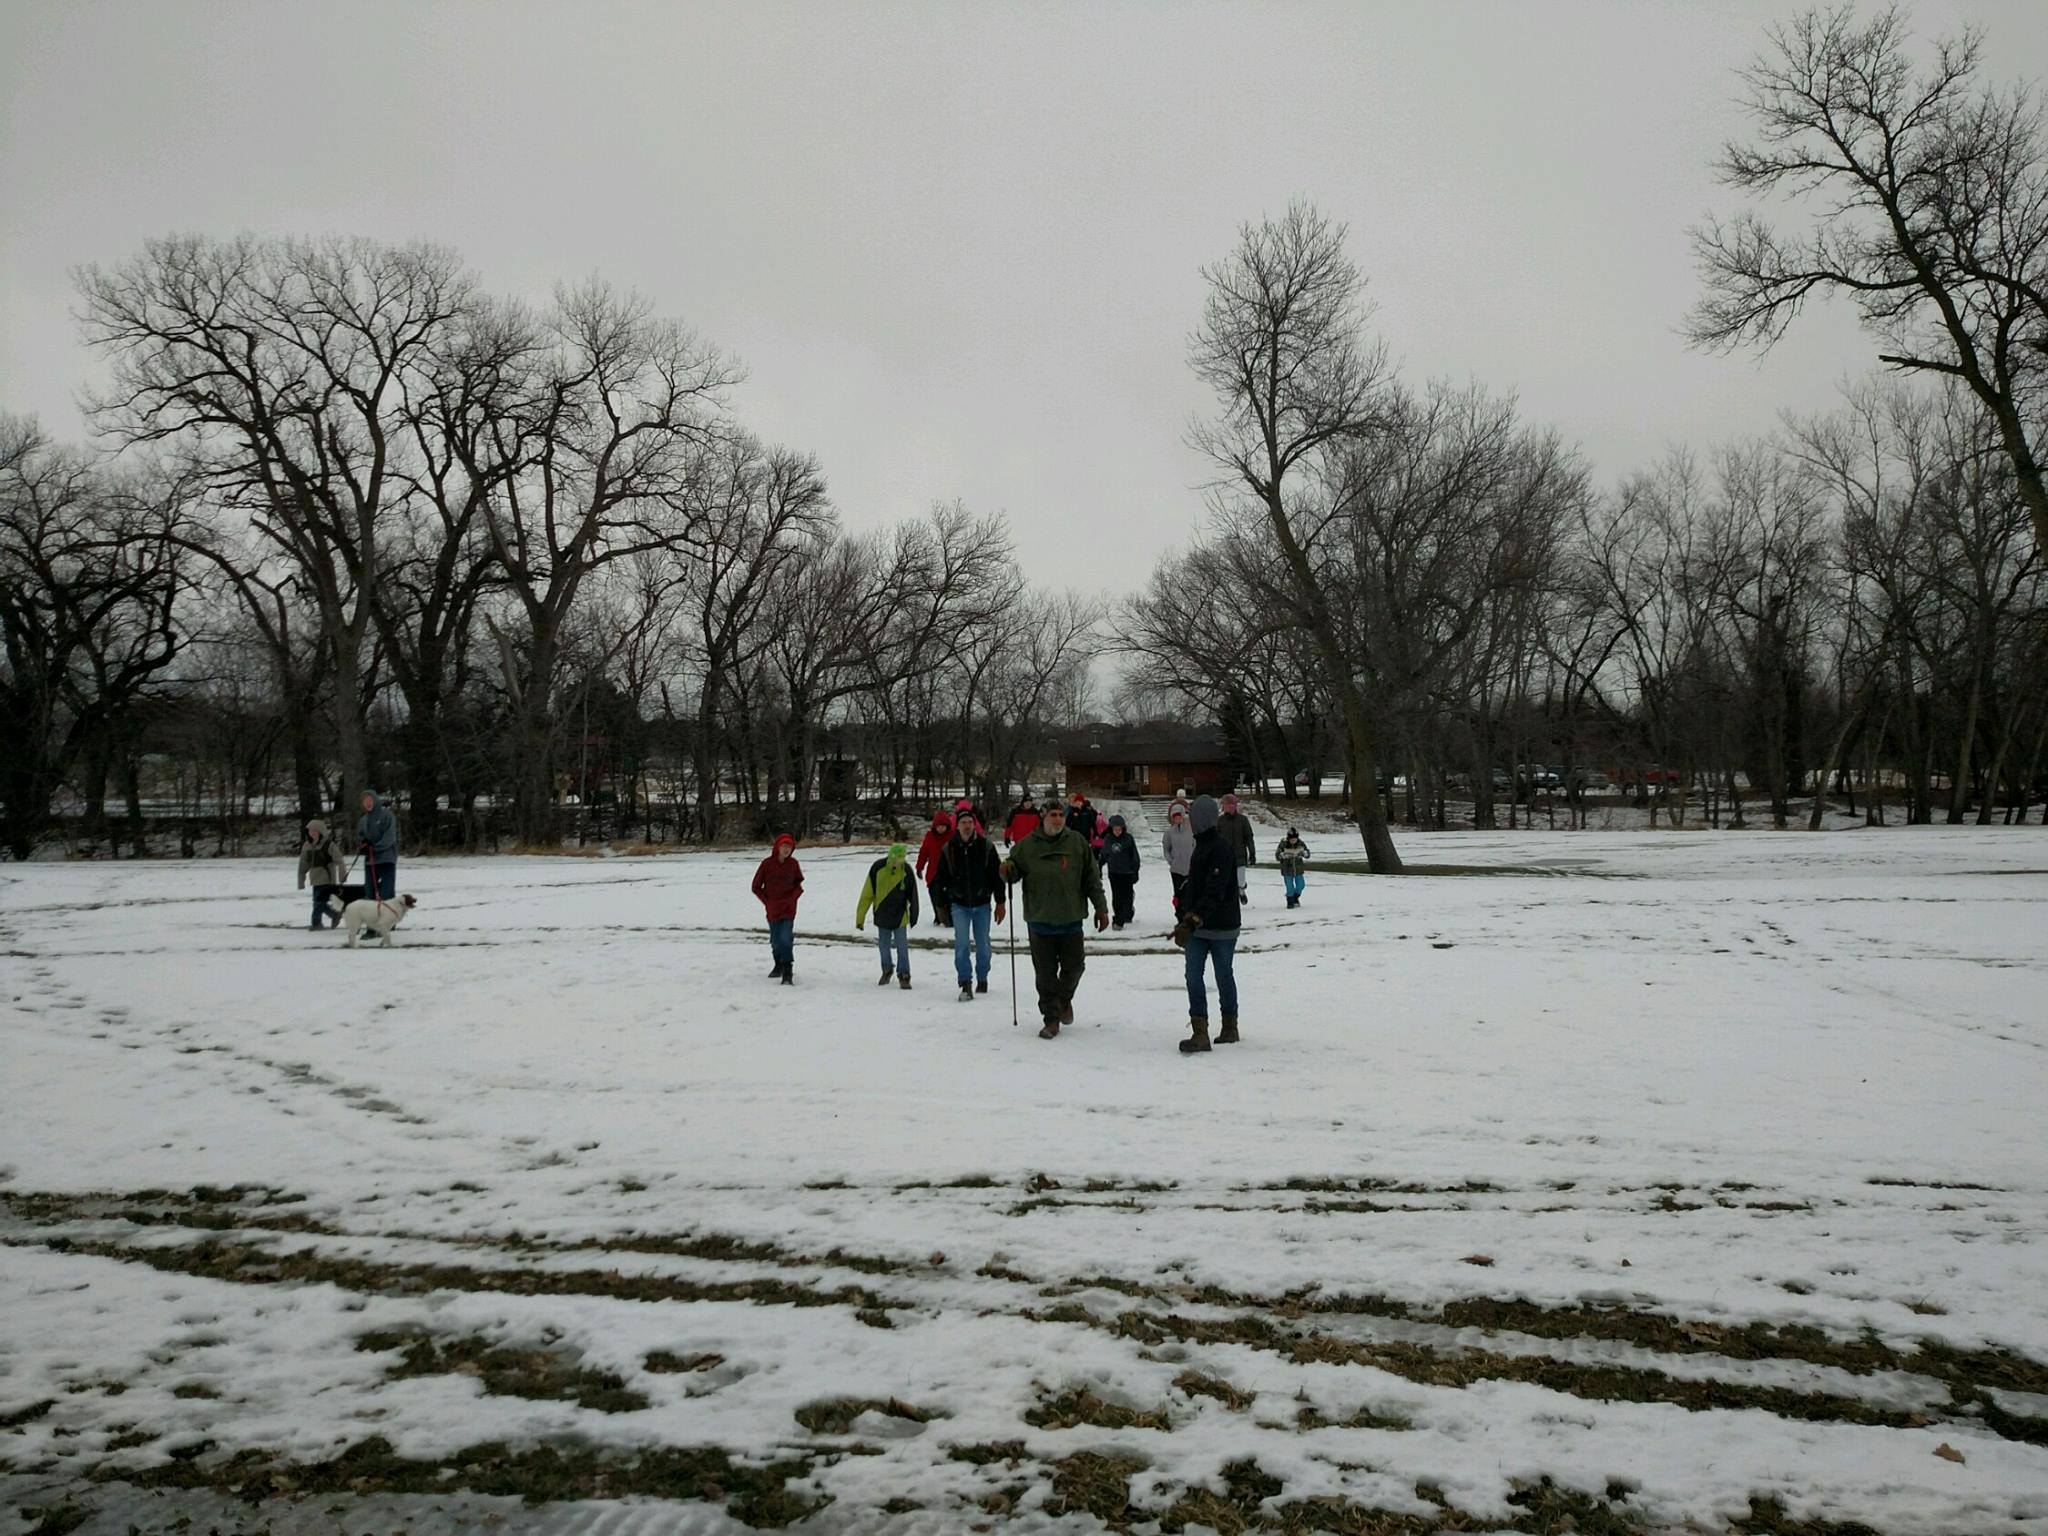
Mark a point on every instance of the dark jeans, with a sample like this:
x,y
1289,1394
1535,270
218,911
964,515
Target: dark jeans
x,y
1178,882
380,878
1222,949
782,940
1123,890
320,910
1057,960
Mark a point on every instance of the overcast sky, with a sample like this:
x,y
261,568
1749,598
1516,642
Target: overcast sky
x,y
957,246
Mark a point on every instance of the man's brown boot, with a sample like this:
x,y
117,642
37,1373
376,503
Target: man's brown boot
x,y
1049,1030
1066,1013
1198,1039
1228,1035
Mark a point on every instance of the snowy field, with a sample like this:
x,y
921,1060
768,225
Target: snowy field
x,y
1679,1181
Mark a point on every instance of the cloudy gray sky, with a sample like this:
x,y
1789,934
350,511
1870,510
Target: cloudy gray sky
x,y
956,245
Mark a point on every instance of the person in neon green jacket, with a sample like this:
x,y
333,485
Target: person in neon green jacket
x,y
890,893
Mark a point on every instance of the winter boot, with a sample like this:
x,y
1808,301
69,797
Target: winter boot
x,y
775,971
1198,1037
887,977
981,985
1066,1013
788,980
1049,1030
1228,1036
966,993
903,981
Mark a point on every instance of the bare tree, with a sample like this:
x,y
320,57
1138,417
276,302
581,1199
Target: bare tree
x,y
278,367
605,448
1280,345
89,586
1931,194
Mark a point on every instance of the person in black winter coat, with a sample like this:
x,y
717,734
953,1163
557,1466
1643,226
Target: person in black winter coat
x,y
969,879
1081,817
1210,917
1120,863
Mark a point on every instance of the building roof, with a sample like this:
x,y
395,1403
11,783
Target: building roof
x,y
1143,744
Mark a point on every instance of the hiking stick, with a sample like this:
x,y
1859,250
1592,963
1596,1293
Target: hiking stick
x,y
1010,921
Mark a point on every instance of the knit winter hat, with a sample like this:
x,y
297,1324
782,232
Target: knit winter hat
x,y
967,823
1077,798
898,852
316,830
1116,821
1230,802
780,839
1204,814
1176,809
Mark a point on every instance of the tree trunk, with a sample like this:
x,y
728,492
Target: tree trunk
x,y
1959,786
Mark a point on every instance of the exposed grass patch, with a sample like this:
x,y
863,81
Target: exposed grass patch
x,y
1077,1406
195,1389
543,1375
1091,1483
1413,1362
835,1416
665,1362
246,1264
1195,1384
987,1452
1308,1416
27,1415
757,1495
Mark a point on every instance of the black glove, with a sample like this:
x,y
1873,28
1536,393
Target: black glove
x,y
942,916
1181,930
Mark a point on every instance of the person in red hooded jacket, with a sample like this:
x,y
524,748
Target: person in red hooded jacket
x,y
936,837
778,882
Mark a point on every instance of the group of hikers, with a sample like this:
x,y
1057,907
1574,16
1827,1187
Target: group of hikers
x,y
1059,854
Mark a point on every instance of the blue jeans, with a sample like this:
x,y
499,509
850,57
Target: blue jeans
x,y
1223,949
1295,885
782,940
970,926
380,879
320,907
900,937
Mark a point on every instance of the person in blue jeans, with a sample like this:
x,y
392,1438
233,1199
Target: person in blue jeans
x,y
1210,918
966,883
1293,861
890,892
378,832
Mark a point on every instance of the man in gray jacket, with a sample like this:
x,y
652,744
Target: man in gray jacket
x,y
378,832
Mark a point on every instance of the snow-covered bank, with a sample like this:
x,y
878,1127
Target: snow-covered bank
x,y
1690,1082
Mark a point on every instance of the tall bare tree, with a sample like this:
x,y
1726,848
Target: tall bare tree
x,y
1929,190
1280,344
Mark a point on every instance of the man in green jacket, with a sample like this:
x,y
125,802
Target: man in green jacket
x,y
1061,879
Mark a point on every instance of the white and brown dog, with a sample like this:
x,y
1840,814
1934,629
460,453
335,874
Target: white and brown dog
x,y
380,917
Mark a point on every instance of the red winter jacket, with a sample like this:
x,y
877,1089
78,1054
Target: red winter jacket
x,y
1021,825
936,836
778,882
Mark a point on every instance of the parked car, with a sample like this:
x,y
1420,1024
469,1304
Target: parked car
x,y
1536,776
1590,781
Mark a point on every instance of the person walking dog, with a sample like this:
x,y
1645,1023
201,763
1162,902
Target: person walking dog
x,y
969,879
378,832
320,857
1208,927
890,892
1292,857
1061,880
778,882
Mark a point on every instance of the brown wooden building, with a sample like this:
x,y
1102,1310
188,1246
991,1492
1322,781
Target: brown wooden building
x,y
1125,762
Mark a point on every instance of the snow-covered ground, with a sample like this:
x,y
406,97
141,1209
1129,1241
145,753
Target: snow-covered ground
x,y
1682,1170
